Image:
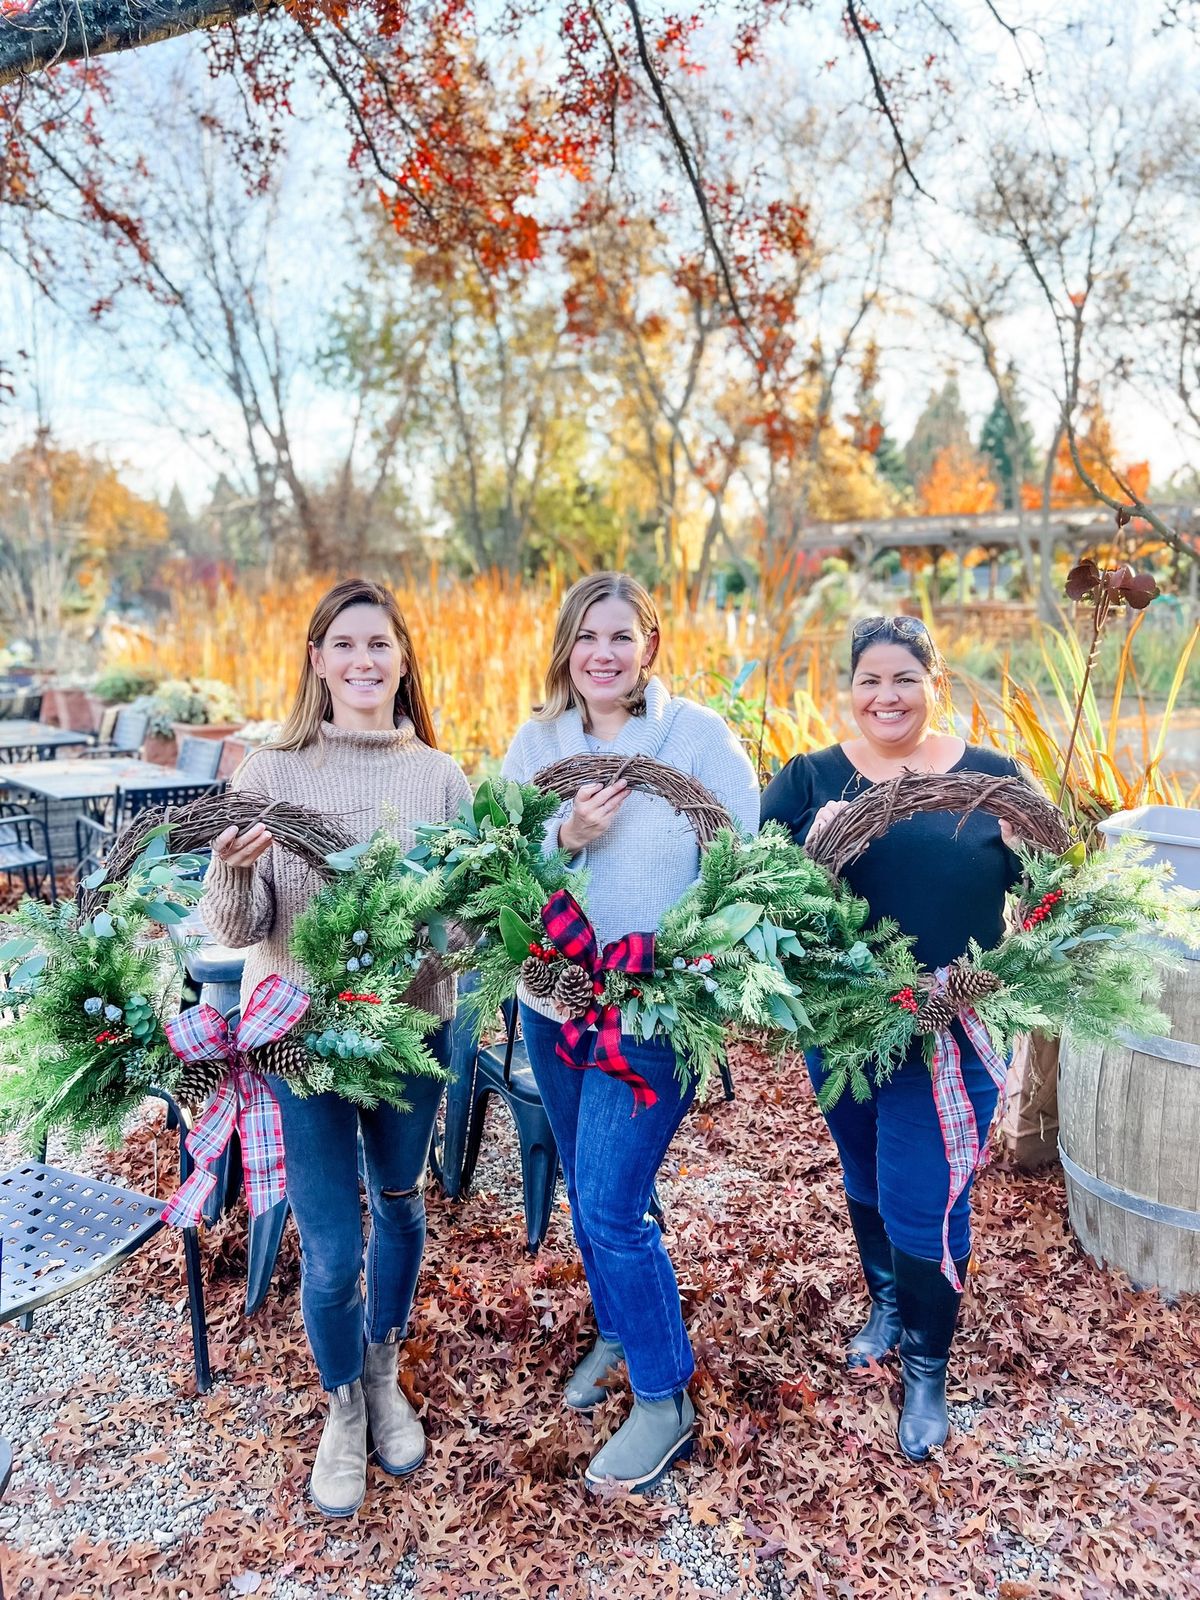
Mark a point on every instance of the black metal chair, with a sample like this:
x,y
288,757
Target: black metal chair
x,y
505,1071
199,758
63,1229
25,850
13,753
93,835
126,738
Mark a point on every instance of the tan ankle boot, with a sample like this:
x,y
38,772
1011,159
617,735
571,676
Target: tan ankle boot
x,y
397,1437
339,1474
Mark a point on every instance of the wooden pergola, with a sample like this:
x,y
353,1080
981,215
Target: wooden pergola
x,y
1076,527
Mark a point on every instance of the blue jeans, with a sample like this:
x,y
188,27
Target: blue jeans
x,y
893,1157
320,1138
609,1159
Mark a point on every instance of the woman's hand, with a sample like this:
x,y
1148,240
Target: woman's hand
x,y
827,813
1009,834
242,849
593,813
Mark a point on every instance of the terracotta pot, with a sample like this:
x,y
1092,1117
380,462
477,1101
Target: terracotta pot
x,y
231,757
160,748
68,708
204,730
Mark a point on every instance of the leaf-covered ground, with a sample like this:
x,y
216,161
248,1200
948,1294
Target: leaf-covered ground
x,y
1073,1470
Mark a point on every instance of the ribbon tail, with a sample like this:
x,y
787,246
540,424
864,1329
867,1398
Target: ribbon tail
x,y
207,1140
611,1058
185,1208
997,1070
960,1135
260,1128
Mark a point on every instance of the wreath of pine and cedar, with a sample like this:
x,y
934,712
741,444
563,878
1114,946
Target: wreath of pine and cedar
x,y
91,982
1080,954
770,939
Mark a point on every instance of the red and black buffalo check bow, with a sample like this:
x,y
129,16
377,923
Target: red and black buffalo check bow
x,y
242,1099
565,920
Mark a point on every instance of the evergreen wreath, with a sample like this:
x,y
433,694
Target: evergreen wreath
x,y
1088,940
718,954
89,996
91,982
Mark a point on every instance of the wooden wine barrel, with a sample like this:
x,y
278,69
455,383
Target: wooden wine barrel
x,y
1129,1139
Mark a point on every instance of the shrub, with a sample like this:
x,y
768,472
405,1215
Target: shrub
x,y
121,685
203,700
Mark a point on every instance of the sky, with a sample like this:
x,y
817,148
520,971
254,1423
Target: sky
x,y
93,398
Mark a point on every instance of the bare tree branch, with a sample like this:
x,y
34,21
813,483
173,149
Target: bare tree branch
x,y
881,98
72,30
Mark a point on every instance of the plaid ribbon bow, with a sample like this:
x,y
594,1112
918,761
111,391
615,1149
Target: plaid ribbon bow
x,y
565,920
242,1100
960,1133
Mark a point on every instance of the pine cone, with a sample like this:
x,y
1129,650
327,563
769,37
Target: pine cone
x,y
197,1080
964,985
537,976
573,989
285,1058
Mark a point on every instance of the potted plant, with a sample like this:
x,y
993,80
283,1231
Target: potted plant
x,y
67,703
240,743
120,686
202,707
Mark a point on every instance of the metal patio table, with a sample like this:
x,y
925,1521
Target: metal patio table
x,y
20,734
69,789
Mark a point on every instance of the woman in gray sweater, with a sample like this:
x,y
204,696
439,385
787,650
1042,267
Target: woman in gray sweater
x,y
640,857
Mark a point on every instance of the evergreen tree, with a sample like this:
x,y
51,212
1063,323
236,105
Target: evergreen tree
x,y
1007,443
941,426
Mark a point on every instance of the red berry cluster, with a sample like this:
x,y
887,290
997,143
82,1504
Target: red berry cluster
x,y
369,999
1043,909
107,1037
906,998
544,952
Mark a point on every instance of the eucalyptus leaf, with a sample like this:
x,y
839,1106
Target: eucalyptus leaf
x,y
102,925
514,801
21,946
95,879
739,918
781,1013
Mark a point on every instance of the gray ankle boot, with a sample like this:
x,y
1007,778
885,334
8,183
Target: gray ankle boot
x,y
585,1387
655,1434
339,1474
397,1437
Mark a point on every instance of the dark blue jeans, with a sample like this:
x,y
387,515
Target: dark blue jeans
x,y
320,1138
893,1157
610,1159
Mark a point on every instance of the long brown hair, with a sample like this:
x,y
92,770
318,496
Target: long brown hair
x,y
579,598
313,704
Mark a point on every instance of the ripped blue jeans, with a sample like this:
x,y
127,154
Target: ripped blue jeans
x,y
320,1139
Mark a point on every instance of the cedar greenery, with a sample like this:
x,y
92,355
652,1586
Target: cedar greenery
x,y
89,996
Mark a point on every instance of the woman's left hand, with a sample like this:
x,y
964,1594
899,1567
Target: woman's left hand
x,y
1009,834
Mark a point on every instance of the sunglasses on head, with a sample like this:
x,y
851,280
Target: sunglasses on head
x,y
905,627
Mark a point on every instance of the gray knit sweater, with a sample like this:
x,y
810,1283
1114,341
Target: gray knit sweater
x,y
649,856
367,780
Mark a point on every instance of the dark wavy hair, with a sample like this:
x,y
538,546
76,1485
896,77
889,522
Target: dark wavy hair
x,y
910,633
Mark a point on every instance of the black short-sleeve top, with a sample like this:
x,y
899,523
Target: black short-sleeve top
x,y
941,877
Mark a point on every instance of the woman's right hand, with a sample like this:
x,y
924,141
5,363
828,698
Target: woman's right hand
x,y
593,812
827,813
236,849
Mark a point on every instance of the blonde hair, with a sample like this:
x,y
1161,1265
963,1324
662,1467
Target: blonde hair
x,y
578,600
313,704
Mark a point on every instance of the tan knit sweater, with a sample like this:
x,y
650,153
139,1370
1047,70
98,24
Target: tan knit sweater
x,y
367,780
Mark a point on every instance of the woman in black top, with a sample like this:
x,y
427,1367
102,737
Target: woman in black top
x,y
943,879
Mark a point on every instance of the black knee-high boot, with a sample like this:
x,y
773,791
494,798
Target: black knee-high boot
x,y
928,1307
880,1333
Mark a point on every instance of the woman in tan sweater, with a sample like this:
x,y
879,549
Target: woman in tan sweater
x,y
359,744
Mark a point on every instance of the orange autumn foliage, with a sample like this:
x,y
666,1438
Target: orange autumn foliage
x,y
1098,457
957,482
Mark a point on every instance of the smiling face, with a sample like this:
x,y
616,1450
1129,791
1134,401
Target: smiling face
x,y
893,698
362,664
608,655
